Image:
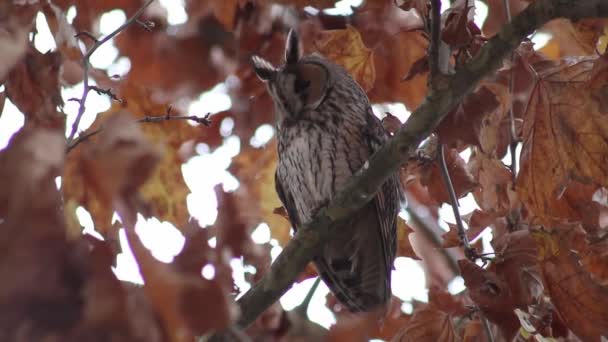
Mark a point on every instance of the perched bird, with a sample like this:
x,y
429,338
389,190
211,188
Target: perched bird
x,y
326,133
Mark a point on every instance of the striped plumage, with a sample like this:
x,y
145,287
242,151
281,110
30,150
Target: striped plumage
x,y
326,132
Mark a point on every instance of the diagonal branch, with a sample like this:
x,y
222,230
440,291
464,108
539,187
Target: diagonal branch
x,y
362,187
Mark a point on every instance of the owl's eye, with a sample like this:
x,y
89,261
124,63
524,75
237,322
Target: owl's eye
x,y
300,85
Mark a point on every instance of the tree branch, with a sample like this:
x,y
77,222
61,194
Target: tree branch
x,y
435,42
363,186
86,64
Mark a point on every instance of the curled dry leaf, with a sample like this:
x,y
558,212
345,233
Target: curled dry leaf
x,y
511,281
428,324
33,86
495,193
579,300
456,32
565,136
479,120
346,48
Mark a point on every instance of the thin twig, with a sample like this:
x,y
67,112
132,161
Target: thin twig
x,y
469,252
204,120
201,120
81,138
107,92
435,42
486,325
86,65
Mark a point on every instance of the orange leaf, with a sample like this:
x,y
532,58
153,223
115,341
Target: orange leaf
x,y
256,198
404,246
428,324
346,48
580,301
565,136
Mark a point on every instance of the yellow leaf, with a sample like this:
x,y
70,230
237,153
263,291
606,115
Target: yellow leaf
x,y
345,47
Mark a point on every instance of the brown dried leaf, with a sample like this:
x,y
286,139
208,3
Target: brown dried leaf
x,y
446,302
478,120
256,198
565,136
510,282
188,54
33,86
346,48
395,55
474,332
404,246
580,301
494,194
461,178
456,31
428,324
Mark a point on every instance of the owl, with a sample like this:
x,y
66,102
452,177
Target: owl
x,y
326,132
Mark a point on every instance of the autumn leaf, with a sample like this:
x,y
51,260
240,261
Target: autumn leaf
x,y
461,178
33,86
427,324
565,136
579,300
165,191
404,246
346,48
257,199
495,193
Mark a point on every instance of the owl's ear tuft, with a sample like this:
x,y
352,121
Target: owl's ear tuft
x,y
263,68
312,84
292,48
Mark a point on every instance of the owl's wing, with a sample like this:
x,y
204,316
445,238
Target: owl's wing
x,y
288,202
387,200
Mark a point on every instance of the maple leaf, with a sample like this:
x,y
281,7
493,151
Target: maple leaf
x,y
165,191
565,136
579,300
346,48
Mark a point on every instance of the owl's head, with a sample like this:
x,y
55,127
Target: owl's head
x,y
298,86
